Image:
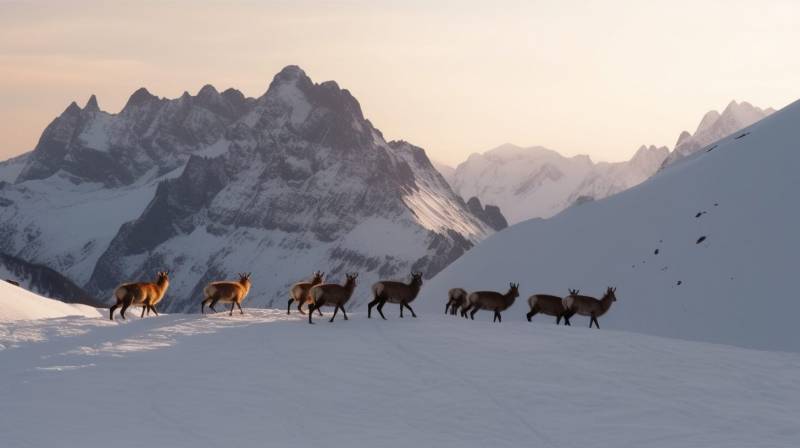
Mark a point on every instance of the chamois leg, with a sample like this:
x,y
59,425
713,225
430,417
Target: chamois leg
x,y
213,304
153,308
125,306
112,309
446,307
144,308
240,308
566,320
370,305
311,311
289,306
319,311
203,306
335,310
413,314
344,313
531,313
472,314
401,310
380,309
233,305
300,307
464,310
596,324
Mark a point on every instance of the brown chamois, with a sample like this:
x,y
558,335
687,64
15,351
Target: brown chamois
x,y
227,292
299,293
144,294
492,301
547,304
331,294
395,292
588,306
456,298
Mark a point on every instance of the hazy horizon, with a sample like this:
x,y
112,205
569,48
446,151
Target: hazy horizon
x,y
601,78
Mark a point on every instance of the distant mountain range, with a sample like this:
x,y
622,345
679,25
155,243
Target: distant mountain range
x,y
216,183
536,182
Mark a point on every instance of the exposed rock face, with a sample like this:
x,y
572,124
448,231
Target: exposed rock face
x,y
294,181
491,215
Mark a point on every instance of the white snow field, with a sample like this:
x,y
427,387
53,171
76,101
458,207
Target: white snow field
x,y
268,379
706,250
20,304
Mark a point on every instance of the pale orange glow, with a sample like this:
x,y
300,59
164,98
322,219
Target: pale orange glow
x,y
453,77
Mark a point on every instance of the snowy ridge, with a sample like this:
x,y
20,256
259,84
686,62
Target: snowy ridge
x,y
704,250
715,126
20,304
537,182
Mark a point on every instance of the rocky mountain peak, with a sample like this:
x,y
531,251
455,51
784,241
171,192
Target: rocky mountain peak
x,y
91,105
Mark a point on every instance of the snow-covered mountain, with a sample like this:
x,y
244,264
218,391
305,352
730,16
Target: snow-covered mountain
x,y
715,126
294,181
706,249
537,182
43,281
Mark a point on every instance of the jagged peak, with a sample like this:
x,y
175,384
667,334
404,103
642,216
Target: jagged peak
x,y
207,91
685,135
139,97
91,105
289,74
73,108
708,120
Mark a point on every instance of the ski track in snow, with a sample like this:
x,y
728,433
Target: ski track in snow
x,y
265,378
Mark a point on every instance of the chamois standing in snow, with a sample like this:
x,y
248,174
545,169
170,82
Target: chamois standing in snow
x,y
331,294
395,292
299,293
547,304
226,292
456,298
144,294
491,301
588,306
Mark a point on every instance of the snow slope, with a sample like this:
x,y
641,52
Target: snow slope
x,y
267,379
20,304
737,286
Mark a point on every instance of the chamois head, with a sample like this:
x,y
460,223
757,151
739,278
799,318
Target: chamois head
x,y
416,278
351,279
162,277
574,292
317,277
610,293
244,277
514,290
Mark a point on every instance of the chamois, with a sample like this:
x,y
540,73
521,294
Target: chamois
x,y
331,294
492,301
226,292
588,306
144,294
299,293
395,292
547,304
456,298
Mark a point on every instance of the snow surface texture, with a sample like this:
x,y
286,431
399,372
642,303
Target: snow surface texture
x,y
267,379
538,183
705,250
19,304
715,126
205,186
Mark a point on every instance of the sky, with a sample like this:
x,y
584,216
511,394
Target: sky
x,y
455,77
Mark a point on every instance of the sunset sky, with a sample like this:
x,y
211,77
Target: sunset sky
x,y
454,77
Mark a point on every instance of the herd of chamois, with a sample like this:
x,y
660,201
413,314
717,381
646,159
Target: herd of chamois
x,y
315,294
